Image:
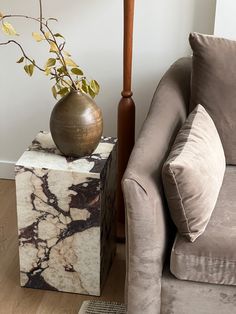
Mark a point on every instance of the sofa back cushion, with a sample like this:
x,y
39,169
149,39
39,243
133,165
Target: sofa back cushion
x,y
213,85
193,174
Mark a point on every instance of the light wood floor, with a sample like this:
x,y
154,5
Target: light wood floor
x,y
17,300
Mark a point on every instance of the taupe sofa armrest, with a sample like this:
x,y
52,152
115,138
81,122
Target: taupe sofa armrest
x,y
146,213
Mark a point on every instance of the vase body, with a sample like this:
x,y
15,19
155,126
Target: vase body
x,y
76,125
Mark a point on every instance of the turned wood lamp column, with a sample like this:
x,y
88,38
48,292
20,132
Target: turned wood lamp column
x,y
126,114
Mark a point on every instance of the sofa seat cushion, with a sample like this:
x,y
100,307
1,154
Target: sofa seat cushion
x,y
191,297
212,257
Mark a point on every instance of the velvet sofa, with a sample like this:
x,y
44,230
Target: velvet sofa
x,y
151,288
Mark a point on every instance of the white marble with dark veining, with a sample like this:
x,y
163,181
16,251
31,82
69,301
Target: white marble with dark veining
x,y
66,214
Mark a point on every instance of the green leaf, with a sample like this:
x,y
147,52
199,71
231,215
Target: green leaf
x,y
58,35
91,92
54,92
50,63
70,62
58,86
38,37
95,87
53,47
8,29
47,71
63,91
27,70
78,84
20,60
31,69
52,19
62,70
84,86
77,71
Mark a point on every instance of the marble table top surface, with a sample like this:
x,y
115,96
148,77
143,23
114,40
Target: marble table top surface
x,y
43,153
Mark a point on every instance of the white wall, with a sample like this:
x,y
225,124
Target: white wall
x,y
225,25
93,29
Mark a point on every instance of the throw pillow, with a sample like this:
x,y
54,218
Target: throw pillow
x,y
193,174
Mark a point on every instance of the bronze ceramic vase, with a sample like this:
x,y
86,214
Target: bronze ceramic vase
x,y
76,125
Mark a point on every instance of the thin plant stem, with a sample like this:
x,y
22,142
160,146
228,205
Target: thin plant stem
x,y
59,53
60,72
23,52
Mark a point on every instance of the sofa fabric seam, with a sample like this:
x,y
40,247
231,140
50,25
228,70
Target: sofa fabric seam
x,y
202,256
180,197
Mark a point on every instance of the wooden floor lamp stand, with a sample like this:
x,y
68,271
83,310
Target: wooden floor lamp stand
x,y
126,115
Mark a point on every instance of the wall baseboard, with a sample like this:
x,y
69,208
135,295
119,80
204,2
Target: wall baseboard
x,y
7,169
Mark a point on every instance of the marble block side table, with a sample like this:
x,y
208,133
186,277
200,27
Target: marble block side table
x,y
66,216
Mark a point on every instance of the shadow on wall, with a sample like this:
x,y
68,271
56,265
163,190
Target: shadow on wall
x,y
204,16
112,93
143,100
166,45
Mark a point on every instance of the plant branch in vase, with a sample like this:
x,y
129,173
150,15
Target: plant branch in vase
x,y
76,132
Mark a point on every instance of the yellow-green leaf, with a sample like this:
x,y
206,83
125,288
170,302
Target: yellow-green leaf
x,y
84,86
50,63
62,70
58,86
54,92
91,92
38,37
78,85
58,35
69,82
63,91
47,35
52,19
29,69
66,83
20,60
26,68
8,29
47,71
95,87
66,53
77,71
70,62
53,47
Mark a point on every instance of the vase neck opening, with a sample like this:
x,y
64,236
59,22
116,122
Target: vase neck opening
x,y
73,91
